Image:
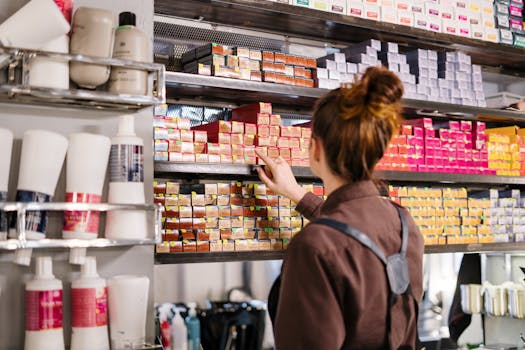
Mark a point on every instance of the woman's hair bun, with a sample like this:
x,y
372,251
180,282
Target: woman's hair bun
x,y
381,86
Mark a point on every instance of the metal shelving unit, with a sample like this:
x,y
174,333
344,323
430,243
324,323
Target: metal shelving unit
x,y
205,170
15,63
21,209
188,258
299,21
194,86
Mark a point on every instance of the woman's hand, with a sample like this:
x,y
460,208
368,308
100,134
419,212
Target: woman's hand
x,y
277,176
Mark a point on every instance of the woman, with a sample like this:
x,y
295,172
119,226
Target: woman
x,y
334,291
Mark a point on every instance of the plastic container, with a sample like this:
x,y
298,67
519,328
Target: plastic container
x,y
194,328
6,146
89,308
43,309
130,44
86,165
34,25
126,183
41,161
92,35
502,100
179,338
128,304
49,72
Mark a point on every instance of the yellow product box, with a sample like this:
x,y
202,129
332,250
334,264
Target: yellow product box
x,y
265,245
515,148
455,239
515,165
453,220
431,240
452,230
471,239
241,245
469,230
402,192
471,220
463,212
442,240
475,211
438,230
440,220
484,230
486,239
506,130
163,247
425,231
228,245
450,210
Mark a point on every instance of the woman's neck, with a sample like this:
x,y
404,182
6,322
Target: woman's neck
x,y
333,182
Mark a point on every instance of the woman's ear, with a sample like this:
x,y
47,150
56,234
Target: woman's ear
x,y
316,148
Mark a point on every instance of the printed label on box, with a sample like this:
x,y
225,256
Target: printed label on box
x,y
43,310
89,307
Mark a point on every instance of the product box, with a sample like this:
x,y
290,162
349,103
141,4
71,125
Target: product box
x,y
405,18
338,6
355,8
322,5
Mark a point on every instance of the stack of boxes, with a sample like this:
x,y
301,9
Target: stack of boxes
x,y
175,141
226,216
507,216
446,215
248,64
504,150
501,21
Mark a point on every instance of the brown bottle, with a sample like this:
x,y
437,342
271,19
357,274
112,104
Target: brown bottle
x,y
130,44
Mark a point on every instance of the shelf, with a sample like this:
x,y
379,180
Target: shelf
x,y
305,22
205,170
16,67
20,209
185,258
194,86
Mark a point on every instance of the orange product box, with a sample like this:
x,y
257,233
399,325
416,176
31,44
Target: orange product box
x,y
225,149
276,244
199,223
223,138
249,151
186,135
285,153
202,158
279,68
308,74
294,142
238,160
237,150
283,142
226,159
189,246
215,127
255,75
176,247
200,136
248,140
164,247
214,233
236,139
286,131
263,130
264,141
268,67
299,72
237,127
228,246
268,56
181,147
279,57
187,233
250,129
213,148
264,245
304,143
296,153
273,152
216,246
199,147
275,130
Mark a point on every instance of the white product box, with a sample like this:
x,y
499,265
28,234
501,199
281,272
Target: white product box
x,y
305,3
462,15
402,59
476,70
418,7
432,65
476,32
449,26
331,65
432,9
475,18
388,14
341,67
333,75
351,67
321,73
409,87
451,3
447,12
502,8
403,5
423,90
361,67
371,2
475,6
487,8
394,67
505,36
432,55
387,3
444,84
434,24
462,4
355,8
464,29
371,12
392,47
324,83
405,18
502,21
338,6
464,59
421,21
488,21
404,68
339,57
423,72
322,5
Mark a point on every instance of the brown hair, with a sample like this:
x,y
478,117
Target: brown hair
x,y
356,124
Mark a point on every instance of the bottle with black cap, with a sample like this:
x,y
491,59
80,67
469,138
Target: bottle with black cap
x,y
130,44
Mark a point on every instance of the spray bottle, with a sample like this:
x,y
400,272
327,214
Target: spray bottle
x,y
43,309
89,305
194,328
164,317
179,332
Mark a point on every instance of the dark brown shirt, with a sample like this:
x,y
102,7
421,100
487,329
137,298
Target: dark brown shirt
x,y
334,291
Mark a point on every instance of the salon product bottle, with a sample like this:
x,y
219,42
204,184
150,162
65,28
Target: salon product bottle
x,y
130,44
194,328
51,72
92,35
43,309
6,146
126,183
179,338
89,306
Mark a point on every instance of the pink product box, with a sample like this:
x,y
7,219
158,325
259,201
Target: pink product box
x,y
515,11
425,123
454,125
465,125
479,126
484,156
432,142
429,132
415,160
415,141
418,132
416,151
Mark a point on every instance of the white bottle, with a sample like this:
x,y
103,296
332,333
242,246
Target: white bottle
x,y
43,309
50,72
126,183
179,338
89,308
130,44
